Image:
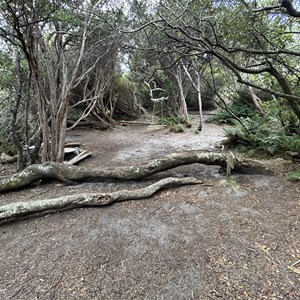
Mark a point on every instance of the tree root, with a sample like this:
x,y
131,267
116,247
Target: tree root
x,y
18,209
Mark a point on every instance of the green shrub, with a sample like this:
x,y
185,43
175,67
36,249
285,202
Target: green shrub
x,y
273,134
170,121
177,128
228,115
176,123
294,176
263,134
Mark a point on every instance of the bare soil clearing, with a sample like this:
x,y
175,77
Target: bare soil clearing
x,y
208,241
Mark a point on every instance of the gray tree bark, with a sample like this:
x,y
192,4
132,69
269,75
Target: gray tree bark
x,y
18,209
70,174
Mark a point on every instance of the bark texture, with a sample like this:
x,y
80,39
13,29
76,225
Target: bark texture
x,y
69,173
7,159
18,209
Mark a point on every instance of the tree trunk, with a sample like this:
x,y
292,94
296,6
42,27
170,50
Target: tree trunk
x,y
287,90
256,101
197,87
18,209
182,102
69,173
199,102
15,110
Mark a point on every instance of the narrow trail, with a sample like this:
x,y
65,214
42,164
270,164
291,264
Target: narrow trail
x,y
135,143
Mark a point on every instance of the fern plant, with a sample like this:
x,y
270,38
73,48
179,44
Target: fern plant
x,y
295,145
263,135
239,110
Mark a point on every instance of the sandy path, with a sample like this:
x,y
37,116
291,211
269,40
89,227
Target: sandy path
x,y
195,242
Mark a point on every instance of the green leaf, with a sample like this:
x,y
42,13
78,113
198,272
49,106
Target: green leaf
x,y
294,176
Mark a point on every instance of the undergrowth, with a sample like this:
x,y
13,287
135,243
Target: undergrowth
x,y
6,144
276,133
176,123
230,114
294,176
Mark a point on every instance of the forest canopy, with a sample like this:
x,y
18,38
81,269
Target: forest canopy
x,y
63,63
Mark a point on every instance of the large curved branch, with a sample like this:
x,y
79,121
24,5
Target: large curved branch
x,y
18,209
265,8
69,173
258,52
236,69
293,100
287,4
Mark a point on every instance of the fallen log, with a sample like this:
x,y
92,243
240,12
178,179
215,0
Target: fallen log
x,y
18,209
73,144
123,122
70,173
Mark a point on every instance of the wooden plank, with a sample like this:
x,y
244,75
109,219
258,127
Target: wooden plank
x,y
81,156
72,144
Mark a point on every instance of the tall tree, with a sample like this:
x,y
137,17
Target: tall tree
x,y
62,47
256,44
241,37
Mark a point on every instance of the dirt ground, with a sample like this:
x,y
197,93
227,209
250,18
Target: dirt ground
x,y
209,241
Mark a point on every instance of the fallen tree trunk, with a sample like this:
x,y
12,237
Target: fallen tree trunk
x,y
69,173
18,209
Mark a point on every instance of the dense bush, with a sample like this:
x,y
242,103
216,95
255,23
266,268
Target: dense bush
x,y
275,133
175,123
258,135
125,98
229,114
5,143
177,128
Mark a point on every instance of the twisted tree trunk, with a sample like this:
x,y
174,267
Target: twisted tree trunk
x,y
18,209
69,173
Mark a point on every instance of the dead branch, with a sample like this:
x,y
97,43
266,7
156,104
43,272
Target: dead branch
x,y
266,8
18,209
70,174
135,123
